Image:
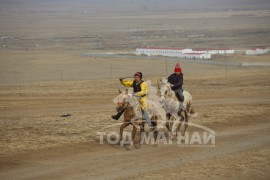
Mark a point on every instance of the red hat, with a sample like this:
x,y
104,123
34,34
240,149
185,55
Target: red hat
x,y
177,68
138,74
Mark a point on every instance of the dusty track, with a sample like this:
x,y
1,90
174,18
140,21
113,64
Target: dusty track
x,y
43,75
36,143
105,162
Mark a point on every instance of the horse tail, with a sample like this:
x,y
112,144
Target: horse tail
x,y
192,111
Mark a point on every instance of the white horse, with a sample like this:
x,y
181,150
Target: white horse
x,y
171,105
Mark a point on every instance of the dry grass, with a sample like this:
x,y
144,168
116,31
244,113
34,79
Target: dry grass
x,y
30,114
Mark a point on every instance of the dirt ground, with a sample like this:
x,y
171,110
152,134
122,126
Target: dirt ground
x,y
37,143
43,76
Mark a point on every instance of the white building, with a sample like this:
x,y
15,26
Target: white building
x,y
214,51
200,51
172,52
229,51
153,51
251,51
196,56
257,51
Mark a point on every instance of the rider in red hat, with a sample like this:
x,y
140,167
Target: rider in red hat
x,y
176,80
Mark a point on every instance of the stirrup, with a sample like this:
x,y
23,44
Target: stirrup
x,y
114,117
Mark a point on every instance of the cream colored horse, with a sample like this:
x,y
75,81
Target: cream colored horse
x,y
132,116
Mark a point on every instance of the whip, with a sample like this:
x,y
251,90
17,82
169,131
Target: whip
x,y
126,77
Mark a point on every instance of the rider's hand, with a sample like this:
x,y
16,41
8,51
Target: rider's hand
x,y
171,85
121,79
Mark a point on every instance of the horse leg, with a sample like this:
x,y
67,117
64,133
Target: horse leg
x,y
156,135
168,122
141,133
169,125
180,123
134,131
122,127
154,130
188,109
133,137
186,123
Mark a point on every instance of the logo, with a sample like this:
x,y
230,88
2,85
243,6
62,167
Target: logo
x,y
195,136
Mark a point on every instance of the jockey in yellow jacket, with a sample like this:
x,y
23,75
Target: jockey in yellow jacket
x,y
140,90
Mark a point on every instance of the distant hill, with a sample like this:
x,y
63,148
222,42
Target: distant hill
x,y
137,5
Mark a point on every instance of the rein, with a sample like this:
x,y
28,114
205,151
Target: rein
x,y
129,107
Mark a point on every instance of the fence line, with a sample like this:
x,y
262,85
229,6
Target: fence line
x,y
16,77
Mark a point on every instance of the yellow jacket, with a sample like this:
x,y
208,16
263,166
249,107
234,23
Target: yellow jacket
x,y
129,83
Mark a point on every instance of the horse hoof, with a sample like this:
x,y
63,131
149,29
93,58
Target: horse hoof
x,y
130,148
122,143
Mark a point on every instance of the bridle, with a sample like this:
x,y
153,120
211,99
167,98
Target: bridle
x,y
122,105
126,104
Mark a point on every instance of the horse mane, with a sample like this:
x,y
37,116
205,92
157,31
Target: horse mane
x,y
166,84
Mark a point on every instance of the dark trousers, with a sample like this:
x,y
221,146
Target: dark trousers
x,y
179,94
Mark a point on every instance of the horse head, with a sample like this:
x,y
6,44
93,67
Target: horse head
x,y
164,88
121,100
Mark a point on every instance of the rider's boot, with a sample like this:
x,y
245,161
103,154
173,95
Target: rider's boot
x,y
118,115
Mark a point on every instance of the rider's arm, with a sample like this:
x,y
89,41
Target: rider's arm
x,y
170,78
143,89
127,83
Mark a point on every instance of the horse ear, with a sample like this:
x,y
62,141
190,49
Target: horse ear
x,y
120,92
164,80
